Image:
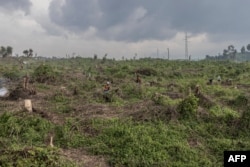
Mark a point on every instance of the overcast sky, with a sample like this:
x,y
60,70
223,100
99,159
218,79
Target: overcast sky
x,y
124,27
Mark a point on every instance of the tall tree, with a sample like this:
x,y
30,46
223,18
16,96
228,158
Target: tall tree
x,y
6,51
243,50
225,52
30,53
95,56
231,52
26,52
3,51
248,47
9,50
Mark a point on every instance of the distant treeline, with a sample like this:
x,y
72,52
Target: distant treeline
x,y
231,54
238,57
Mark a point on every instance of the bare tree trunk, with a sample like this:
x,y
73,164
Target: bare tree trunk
x,y
25,82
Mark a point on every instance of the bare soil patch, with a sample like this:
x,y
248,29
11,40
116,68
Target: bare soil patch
x,y
82,158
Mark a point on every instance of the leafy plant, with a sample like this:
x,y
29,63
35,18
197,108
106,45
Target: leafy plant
x,y
245,120
240,101
44,74
188,107
12,74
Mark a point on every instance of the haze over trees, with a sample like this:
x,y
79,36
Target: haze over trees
x,y
8,51
230,53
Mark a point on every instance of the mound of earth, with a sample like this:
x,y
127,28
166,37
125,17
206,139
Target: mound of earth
x,y
20,93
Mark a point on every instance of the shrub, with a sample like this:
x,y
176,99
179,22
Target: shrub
x,y
147,72
158,99
245,119
133,91
120,75
188,107
61,102
12,75
44,73
240,101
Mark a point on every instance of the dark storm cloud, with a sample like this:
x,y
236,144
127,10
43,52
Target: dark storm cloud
x,y
12,5
134,20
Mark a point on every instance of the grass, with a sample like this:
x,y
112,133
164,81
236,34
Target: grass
x,y
176,132
158,144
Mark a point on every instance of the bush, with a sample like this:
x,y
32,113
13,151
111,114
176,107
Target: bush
x,y
133,91
44,74
245,119
158,99
218,111
61,102
188,107
120,75
147,72
240,101
12,75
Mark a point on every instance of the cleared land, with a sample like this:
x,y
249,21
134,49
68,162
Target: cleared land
x,y
175,117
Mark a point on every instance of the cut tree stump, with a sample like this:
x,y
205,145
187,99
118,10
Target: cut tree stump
x,y
28,105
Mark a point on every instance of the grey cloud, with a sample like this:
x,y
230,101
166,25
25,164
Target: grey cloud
x,y
12,5
161,19
74,15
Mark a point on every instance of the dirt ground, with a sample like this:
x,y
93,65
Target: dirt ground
x,y
81,158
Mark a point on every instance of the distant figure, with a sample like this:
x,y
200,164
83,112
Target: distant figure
x,y
106,87
138,79
106,90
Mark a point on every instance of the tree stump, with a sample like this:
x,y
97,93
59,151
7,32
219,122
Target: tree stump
x,y
28,105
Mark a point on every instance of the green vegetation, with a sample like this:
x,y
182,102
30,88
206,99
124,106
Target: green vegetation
x,y
44,73
161,122
188,107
